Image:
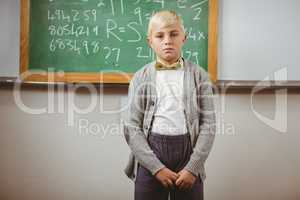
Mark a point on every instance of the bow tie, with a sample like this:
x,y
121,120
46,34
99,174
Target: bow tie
x,y
160,66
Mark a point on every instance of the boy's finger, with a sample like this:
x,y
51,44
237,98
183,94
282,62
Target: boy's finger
x,y
174,177
178,182
182,185
165,184
170,183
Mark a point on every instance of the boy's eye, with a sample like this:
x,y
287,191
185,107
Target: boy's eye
x,y
174,34
159,36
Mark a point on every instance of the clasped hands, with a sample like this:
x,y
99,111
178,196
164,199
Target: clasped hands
x,y
183,179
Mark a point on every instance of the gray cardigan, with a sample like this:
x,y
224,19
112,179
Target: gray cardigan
x,y
198,109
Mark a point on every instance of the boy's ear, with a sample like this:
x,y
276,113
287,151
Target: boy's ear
x,y
149,42
185,38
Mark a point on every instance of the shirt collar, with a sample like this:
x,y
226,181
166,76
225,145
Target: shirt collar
x,y
180,61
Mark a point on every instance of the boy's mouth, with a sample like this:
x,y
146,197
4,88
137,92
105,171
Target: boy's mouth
x,y
168,49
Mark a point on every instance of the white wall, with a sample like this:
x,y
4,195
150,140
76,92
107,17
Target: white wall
x,y
41,157
9,38
44,158
256,38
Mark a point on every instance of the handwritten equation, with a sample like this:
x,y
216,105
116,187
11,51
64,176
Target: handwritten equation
x,y
114,31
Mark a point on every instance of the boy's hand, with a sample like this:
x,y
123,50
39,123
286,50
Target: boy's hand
x,y
167,177
186,179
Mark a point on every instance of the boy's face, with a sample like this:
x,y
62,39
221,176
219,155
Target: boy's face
x,y
167,41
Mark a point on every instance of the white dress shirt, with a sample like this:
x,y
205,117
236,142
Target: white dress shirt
x,y
169,118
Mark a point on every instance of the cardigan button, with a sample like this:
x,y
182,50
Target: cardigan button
x,y
152,103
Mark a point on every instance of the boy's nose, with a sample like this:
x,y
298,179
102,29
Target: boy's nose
x,y
167,40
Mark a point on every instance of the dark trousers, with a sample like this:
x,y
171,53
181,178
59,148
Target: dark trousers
x,y
174,152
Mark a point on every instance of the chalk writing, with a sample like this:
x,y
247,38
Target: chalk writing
x,y
113,32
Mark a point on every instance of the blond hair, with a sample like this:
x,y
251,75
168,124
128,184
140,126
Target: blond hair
x,y
165,17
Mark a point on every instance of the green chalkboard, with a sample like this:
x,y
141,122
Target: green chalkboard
x,y
92,36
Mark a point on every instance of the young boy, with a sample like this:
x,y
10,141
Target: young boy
x,y
170,122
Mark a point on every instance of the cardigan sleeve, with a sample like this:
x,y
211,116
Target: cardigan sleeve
x,y
133,131
207,127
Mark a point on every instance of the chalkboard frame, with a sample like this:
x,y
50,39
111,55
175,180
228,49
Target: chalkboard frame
x,y
77,77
